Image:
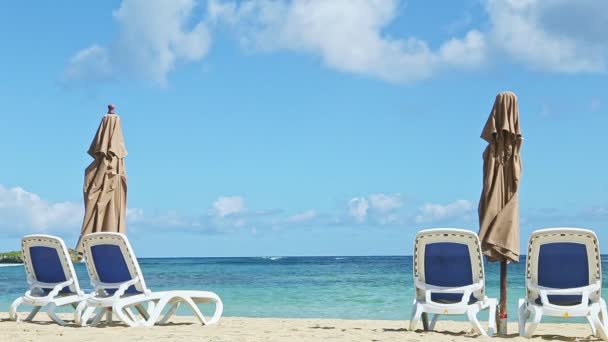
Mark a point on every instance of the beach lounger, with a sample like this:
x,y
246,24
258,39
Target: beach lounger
x,y
563,279
119,287
50,275
449,278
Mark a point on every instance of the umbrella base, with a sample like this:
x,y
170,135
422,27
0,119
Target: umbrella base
x,y
501,326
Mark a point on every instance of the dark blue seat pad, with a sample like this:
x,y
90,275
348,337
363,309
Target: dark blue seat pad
x,y
448,264
47,266
111,266
563,265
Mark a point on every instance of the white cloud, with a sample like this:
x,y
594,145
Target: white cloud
x,y
154,36
90,64
375,208
357,208
468,52
436,212
552,35
346,34
26,212
134,215
228,205
385,203
302,217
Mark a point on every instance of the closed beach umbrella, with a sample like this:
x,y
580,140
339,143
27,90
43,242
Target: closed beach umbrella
x,y
105,180
498,206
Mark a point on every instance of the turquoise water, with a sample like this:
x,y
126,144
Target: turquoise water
x,y
306,287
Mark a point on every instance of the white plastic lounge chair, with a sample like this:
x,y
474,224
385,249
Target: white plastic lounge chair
x,y
51,277
119,287
563,279
449,278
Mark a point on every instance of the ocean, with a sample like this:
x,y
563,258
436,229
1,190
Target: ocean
x,y
347,287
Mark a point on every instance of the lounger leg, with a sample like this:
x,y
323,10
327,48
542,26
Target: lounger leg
x,y
50,311
169,313
597,323
131,315
472,315
415,317
98,317
522,316
493,303
219,309
433,322
120,312
197,312
12,313
33,313
592,325
537,316
142,311
604,313
81,312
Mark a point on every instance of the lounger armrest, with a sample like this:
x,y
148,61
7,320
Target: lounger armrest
x,y
466,291
122,287
443,289
54,292
60,287
583,291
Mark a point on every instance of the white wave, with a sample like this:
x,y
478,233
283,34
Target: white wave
x,y
9,265
271,258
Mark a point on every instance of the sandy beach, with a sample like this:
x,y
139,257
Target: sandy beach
x,y
273,329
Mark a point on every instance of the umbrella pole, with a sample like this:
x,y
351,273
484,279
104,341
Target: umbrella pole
x,y
502,307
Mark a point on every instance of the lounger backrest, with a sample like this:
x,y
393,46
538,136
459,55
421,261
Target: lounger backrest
x,y
563,258
450,258
110,259
48,262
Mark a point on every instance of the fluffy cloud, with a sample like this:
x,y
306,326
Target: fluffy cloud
x,y
228,205
375,208
385,203
551,35
154,36
90,64
25,212
437,212
357,208
346,34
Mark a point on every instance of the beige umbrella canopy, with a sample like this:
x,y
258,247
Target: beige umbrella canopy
x,y
498,205
105,180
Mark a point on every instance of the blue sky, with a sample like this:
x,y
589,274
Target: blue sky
x,y
299,127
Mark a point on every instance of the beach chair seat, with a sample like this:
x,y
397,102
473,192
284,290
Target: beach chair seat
x,y
449,278
563,279
120,289
50,275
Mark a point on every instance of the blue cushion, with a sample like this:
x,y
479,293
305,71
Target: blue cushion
x,y
447,264
111,266
563,265
47,266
